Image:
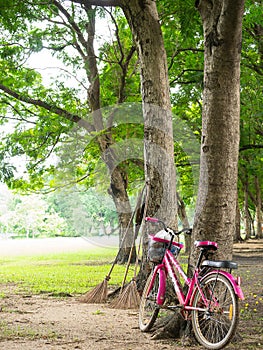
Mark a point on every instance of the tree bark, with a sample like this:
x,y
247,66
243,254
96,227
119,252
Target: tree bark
x,y
159,157
216,204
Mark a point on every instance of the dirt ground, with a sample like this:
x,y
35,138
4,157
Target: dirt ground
x,y
30,322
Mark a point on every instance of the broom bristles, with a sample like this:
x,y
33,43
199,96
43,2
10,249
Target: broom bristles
x,y
97,295
129,298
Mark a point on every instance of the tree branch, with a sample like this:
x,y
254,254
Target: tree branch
x,y
93,75
245,147
51,108
41,160
75,28
124,67
103,3
259,131
20,119
117,37
182,73
176,53
65,185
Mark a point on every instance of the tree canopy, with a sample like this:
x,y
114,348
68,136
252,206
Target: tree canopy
x,y
41,119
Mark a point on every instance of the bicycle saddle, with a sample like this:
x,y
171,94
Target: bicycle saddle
x,y
220,264
206,244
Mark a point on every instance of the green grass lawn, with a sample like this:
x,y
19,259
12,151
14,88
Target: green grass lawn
x,y
59,274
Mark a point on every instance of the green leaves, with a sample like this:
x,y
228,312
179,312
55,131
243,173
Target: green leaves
x,y
35,40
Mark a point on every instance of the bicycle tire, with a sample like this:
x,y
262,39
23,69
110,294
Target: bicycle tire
x,y
148,310
214,328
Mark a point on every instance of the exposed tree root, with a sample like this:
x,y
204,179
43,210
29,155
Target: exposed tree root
x,y
174,326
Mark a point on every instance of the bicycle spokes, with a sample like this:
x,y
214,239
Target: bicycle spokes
x,y
214,326
148,311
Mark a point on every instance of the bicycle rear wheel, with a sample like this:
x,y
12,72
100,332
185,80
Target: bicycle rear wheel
x,y
214,327
149,309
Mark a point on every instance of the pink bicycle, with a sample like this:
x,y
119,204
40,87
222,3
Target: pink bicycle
x,y
211,301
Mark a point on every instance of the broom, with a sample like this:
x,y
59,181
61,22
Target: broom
x,y
129,297
99,294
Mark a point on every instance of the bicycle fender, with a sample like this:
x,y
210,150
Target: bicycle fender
x,y
234,281
162,287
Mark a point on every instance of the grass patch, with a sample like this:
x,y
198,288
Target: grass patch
x,y
8,331
61,274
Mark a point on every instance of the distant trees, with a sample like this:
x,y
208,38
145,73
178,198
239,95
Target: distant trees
x,y
28,216
67,213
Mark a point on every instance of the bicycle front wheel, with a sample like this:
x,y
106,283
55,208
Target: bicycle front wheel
x,y
149,309
216,324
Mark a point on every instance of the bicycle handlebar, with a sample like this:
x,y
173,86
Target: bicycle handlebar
x,y
187,231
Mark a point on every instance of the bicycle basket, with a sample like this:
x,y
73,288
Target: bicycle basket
x,y
156,251
157,246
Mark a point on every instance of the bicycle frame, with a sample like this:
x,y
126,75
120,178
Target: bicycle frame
x,y
168,266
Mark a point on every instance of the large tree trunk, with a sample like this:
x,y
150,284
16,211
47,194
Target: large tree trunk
x,y
158,138
159,149
216,205
118,191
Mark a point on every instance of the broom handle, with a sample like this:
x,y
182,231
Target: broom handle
x,y
142,227
129,262
121,246
122,241
133,243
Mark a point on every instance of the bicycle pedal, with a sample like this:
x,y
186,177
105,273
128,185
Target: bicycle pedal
x,y
177,306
